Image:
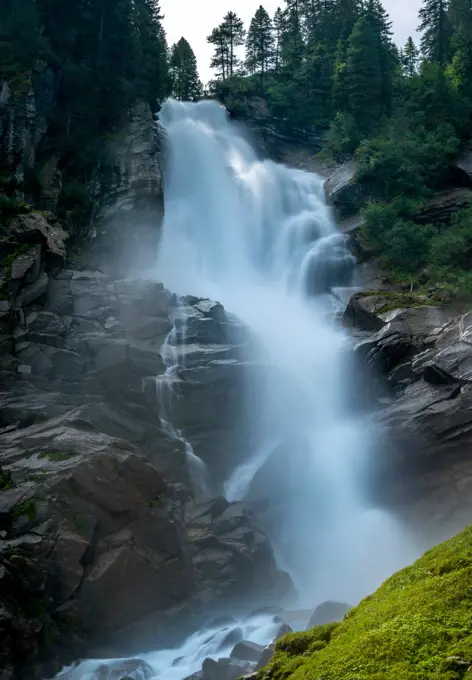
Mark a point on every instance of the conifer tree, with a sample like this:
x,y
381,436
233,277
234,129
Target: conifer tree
x,y
279,28
461,21
219,61
363,76
381,25
292,39
186,84
226,38
435,26
410,58
260,44
233,29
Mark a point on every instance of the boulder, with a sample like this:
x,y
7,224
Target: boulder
x,y
225,669
247,651
41,228
33,292
328,612
27,266
362,311
342,190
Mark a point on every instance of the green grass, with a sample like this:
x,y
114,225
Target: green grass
x,y
417,626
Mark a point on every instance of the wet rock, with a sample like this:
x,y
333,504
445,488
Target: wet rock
x,y
36,227
134,669
247,651
33,292
328,612
361,312
231,638
27,266
225,669
343,192
266,657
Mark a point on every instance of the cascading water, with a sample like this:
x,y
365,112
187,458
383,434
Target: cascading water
x,y
259,238
174,359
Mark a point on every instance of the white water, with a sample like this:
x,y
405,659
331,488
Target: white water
x,y
259,238
180,662
174,360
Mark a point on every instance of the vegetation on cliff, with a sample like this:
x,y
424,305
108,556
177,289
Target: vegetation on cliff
x,y
403,113
417,626
69,74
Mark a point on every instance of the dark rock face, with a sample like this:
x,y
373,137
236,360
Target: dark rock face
x,y
95,498
444,205
424,471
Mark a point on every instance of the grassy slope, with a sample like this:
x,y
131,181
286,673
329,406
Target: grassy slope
x,y
417,626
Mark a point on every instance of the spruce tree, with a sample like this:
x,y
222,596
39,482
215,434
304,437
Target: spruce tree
x,y
381,25
186,84
435,26
363,76
279,28
461,21
410,58
233,29
292,39
260,44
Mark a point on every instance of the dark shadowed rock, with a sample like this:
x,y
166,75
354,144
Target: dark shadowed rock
x,y
343,192
247,651
328,612
36,227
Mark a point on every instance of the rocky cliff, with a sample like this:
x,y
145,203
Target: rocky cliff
x,y
97,499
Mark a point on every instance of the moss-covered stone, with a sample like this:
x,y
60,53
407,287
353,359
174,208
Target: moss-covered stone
x,y
417,626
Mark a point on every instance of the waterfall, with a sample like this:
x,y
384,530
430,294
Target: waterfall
x,y
259,238
174,359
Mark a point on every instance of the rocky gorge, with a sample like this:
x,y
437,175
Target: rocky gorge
x,y
102,536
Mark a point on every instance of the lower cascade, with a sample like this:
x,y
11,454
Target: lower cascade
x,y
259,238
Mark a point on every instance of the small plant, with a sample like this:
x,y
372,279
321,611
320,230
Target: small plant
x,y
27,509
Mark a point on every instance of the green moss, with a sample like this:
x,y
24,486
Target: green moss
x,y
417,626
398,300
27,509
80,523
6,482
155,503
56,456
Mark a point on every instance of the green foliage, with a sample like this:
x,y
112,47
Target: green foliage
x,y
260,44
226,38
417,626
436,30
186,84
26,509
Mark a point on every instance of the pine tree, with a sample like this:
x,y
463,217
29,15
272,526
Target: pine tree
x,y
226,38
436,29
381,25
186,84
292,39
461,21
233,29
219,61
363,76
279,28
260,44
410,58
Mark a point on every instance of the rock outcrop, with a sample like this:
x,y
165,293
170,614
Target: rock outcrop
x,y
129,204
96,495
423,358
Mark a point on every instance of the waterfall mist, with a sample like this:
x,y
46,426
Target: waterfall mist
x,y
259,238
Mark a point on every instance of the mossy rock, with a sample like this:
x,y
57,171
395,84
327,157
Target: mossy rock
x,y
417,626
